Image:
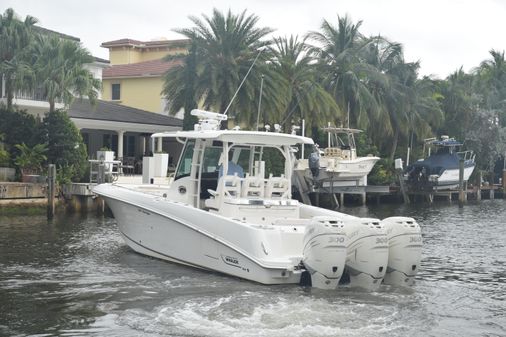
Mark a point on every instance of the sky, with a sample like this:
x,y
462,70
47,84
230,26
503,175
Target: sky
x,y
443,35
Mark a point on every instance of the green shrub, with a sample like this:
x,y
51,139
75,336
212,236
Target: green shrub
x,y
66,148
382,173
31,158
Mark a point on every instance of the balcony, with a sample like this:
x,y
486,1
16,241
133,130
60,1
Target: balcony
x,y
34,101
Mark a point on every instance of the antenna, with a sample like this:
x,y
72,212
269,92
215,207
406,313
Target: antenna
x,y
243,80
260,100
348,115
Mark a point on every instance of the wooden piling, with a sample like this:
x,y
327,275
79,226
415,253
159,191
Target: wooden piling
x,y
504,180
402,186
478,184
101,174
461,183
51,188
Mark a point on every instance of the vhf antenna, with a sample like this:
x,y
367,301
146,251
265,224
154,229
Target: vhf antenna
x,y
244,79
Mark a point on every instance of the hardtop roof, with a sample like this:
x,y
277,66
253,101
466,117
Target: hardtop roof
x,y
239,136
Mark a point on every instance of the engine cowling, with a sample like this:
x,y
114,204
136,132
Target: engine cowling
x,y
367,253
324,252
405,250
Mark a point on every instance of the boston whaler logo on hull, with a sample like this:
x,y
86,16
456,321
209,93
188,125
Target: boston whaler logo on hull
x,y
233,261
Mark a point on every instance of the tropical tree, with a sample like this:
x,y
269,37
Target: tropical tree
x,y
308,99
459,103
15,39
409,106
492,80
180,85
487,138
58,66
343,72
223,49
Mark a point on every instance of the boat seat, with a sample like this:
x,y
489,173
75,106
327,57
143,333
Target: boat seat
x,y
252,186
277,187
332,152
228,187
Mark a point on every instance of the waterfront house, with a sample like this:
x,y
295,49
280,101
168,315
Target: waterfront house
x,y
135,77
123,128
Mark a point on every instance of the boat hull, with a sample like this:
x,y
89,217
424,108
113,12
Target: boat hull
x,y
333,169
165,233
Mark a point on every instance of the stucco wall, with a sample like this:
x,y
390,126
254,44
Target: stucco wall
x,y
141,93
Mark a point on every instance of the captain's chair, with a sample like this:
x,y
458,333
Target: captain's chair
x,y
277,187
253,186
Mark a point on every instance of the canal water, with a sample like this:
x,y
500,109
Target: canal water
x,y
74,276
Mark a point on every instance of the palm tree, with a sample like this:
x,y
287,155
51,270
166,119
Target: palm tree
x,y
409,107
179,85
224,49
308,99
15,39
345,75
459,103
58,66
492,80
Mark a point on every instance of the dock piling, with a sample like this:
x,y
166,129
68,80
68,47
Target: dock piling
x,y
51,182
461,183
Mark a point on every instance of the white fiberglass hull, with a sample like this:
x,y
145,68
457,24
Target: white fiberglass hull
x,y
323,242
449,179
180,233
340,169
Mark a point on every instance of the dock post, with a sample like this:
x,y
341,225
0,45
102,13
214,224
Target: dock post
x,y
341,199
478,183
403,187
461,183
101,174
492,194
51,182
504,180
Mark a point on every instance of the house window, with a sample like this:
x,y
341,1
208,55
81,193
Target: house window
x,y
116,92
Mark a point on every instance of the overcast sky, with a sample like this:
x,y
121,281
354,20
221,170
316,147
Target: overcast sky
x,y
443,34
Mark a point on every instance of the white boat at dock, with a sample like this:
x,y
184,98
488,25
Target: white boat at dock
x,y
440,169
228,210
339,161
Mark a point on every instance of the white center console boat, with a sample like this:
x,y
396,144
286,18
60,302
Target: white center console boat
x,y
229,209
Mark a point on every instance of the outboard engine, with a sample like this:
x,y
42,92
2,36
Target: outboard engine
x,y
367,253
405,250
324,252
313,162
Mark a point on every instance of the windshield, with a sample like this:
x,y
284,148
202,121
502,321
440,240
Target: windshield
x,y
185,163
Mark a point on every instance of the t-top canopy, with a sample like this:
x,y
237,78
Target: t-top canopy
x,y
240,137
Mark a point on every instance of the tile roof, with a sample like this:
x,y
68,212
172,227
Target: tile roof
x,y
109,111
144,69
101,60
144,44
46,31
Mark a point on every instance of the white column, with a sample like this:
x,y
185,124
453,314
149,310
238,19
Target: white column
x,y
3,87
120,144
159,144
143,145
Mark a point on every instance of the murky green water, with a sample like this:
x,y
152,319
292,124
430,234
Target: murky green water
x,y
75,277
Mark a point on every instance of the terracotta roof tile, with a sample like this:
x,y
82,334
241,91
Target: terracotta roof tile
x,y
148,68
144,44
